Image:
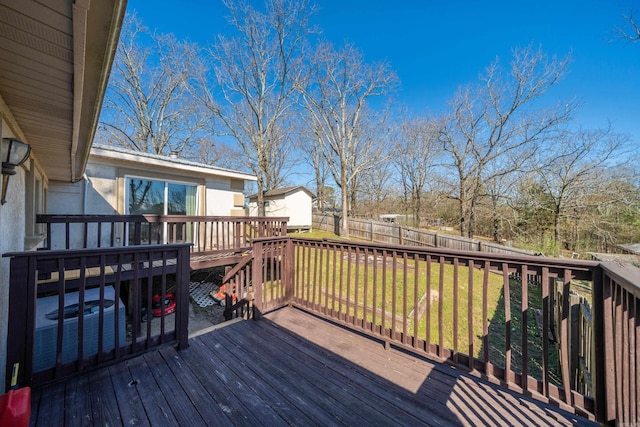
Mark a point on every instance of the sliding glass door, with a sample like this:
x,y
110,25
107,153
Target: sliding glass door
x,y
148,196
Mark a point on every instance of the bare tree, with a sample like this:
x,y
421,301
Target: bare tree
x,y
631,30
416,148
571,171
493,124
336,96
312,147
147,105
256,73
374,188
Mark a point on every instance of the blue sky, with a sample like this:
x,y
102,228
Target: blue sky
x,y
435,46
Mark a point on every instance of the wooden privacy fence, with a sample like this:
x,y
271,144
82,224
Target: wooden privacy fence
x,y
474,310
397,234
73,310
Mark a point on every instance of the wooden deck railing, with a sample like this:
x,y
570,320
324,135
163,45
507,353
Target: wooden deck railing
x,y
474,310
71,310
206,233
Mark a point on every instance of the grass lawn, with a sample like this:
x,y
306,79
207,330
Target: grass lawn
x,y
387,291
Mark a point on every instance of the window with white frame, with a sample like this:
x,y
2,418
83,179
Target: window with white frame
x,y
35,204
158,197
149,196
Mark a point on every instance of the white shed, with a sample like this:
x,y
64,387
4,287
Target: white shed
x,y
293,202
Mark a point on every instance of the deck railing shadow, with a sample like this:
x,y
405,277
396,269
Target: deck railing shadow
x,y
441,303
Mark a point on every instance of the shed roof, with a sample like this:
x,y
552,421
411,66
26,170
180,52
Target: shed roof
x,y
284,191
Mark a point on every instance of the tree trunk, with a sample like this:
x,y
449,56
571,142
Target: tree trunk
x,y
344,226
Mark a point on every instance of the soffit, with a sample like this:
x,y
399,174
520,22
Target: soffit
x,y
55,57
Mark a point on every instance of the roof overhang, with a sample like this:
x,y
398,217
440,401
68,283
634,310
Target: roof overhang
x,y
55,60
162,163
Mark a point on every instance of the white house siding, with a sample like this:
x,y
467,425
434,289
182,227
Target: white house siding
x,y
219,197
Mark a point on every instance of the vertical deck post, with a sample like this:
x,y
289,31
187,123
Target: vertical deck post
x,y
256,280
288,273
182,278
21,322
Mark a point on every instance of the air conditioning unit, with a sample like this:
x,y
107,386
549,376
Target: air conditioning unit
x,y
46,337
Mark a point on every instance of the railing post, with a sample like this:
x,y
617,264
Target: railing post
x,y
182,278
21,322
256,280
603,344
289,270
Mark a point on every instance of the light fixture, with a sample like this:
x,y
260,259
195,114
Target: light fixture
x,y
12,153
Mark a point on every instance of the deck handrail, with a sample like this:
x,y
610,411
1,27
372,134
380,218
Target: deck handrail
x,y
386,291
207,233
134,274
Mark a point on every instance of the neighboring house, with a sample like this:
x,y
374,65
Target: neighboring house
x,y
121,181
293,202
55,59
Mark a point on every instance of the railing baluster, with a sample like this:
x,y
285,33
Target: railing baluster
x,y
416,298
485,321
383,321
427,313
456,332
394,284
365,293
441,308
356,286
545,330
507,317
564,337
333,282
525,327
470,322
404,296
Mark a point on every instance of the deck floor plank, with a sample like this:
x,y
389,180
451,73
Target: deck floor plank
x,y
290,368
77,396
212,375
195,392
323,376
256,405
102,398
48,410
128,400
183,410
466,396
306,384
364,380
292,408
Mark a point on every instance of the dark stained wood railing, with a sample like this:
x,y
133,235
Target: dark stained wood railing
x,y
616,324
216,240
474,310
45,346
206,233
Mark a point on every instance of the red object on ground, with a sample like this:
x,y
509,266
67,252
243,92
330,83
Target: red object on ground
x,y
15,408
169,303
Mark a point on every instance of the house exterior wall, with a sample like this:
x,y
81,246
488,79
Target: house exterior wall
x,y
222,196
12,238
102,192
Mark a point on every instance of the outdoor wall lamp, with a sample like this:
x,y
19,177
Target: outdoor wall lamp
x,y
12,153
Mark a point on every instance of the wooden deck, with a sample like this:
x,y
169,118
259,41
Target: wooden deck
x,y
289,368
